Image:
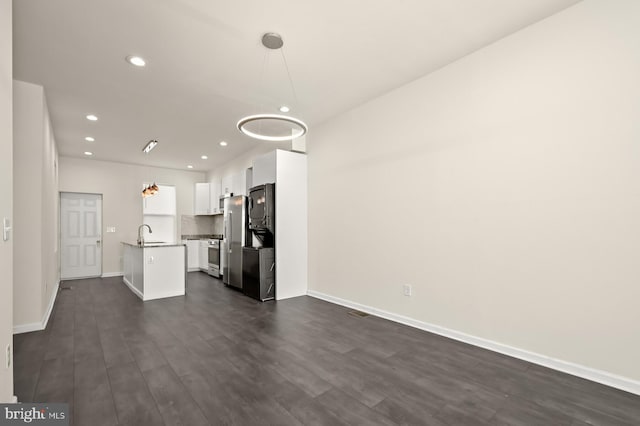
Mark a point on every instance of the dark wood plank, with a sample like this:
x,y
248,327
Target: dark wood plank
x,y
134,403
218,357
93,399
176,406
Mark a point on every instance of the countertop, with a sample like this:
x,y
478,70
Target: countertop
x,y
153,244
201,237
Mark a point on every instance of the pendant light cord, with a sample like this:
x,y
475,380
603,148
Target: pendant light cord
x,y
286,65
262,84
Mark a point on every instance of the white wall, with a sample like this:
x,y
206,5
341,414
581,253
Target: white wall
x,y
35,190
504,188
291,224
244,161
6,197
120,186
50,213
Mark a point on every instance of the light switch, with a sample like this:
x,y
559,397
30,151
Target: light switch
x,y
6,228
111,229
150,261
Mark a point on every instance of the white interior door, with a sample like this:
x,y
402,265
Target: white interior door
x,y
80,235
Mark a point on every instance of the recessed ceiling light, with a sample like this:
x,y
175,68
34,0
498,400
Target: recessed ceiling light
x,y
189,166
88,153
89,139
149,146
136,60
223,143
204,157
92,117
284,108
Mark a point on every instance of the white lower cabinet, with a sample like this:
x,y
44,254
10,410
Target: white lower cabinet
x,y
193,255
154,272
203,255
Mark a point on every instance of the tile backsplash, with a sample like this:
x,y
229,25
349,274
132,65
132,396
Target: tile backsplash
x,y
201,225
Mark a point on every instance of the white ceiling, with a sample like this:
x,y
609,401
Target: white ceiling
x,y
205,64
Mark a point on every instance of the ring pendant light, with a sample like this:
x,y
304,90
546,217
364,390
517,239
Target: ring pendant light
x,y
273,41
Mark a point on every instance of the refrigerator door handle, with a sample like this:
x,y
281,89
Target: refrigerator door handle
x,y
228,233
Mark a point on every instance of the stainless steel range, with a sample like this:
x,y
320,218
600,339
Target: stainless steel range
x,y
214,258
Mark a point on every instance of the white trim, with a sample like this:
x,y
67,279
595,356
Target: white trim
x,y
27,328
38,326
165,294
112,274
47,314
598,376
14,400
132,288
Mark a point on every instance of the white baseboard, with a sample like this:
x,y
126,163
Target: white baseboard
x,y
163,295
37,326
112,274
598,376
27,328
132,288
47,314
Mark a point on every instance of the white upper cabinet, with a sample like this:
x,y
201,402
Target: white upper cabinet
x,y
264,169
226,185
239,183
214,191
162,203
202,199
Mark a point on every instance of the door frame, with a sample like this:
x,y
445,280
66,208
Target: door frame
x,y
60,232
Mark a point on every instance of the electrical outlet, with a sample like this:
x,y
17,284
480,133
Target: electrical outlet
x,y
8,356
406,289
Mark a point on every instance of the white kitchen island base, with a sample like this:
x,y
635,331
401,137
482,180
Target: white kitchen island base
x,y
155,271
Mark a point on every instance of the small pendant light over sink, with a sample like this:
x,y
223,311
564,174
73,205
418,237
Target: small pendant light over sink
x,y
150,190
273,127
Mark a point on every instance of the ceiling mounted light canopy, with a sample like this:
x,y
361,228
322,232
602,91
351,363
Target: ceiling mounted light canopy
x,y
272,41
273,127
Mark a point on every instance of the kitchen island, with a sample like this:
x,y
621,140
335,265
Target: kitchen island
x,y
155,270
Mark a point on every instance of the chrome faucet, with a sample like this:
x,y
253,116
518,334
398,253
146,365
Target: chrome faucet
x,y
140,232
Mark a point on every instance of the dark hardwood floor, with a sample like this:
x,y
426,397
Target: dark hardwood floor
x,y
218,357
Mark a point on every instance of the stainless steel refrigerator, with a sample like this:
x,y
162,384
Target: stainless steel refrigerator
x,y
236,236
